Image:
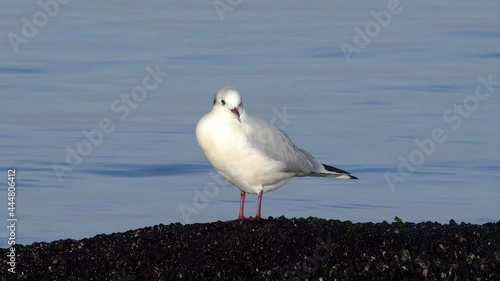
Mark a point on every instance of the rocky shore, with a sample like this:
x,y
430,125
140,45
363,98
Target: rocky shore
x,y
270,249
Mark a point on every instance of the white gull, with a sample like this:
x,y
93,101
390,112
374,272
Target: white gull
x,y
254,155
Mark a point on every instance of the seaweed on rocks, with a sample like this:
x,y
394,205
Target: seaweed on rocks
x,y
270,249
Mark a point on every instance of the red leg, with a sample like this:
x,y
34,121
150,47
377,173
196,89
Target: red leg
x,y
260,205
242,206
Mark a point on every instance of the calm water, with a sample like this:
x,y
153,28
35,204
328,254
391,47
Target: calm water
x,y
363,116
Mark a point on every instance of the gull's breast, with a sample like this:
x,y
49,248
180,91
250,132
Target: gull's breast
x,y
228,150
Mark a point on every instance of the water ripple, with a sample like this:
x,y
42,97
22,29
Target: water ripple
x,y
20,70
147,170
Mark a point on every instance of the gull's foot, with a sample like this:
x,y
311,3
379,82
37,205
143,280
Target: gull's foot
x,y
249,219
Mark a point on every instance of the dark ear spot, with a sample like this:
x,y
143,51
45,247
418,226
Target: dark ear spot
x,y
214,101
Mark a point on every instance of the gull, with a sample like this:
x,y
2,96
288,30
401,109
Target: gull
x,y
252,154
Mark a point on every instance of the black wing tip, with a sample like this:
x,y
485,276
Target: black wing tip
x,y
337,170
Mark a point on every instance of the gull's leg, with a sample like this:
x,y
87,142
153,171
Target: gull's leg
x,y
242,206
259,206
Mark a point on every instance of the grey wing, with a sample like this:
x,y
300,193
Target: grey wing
x,y
276,144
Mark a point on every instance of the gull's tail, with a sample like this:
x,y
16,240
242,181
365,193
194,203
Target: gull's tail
x,y
332,172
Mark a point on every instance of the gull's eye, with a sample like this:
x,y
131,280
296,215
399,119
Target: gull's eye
x,y
223,102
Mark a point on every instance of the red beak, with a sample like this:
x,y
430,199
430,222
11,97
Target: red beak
x,y
235,111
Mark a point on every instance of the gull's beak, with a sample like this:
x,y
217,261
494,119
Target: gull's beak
x,y
236,112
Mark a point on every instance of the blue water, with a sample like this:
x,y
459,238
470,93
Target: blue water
x,y
285,57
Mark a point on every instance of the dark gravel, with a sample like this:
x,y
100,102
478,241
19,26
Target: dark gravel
x,y
270,249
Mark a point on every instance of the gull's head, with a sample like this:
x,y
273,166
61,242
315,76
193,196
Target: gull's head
x,y
228,100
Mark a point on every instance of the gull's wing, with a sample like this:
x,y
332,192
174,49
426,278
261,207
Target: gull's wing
x,y
275,144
